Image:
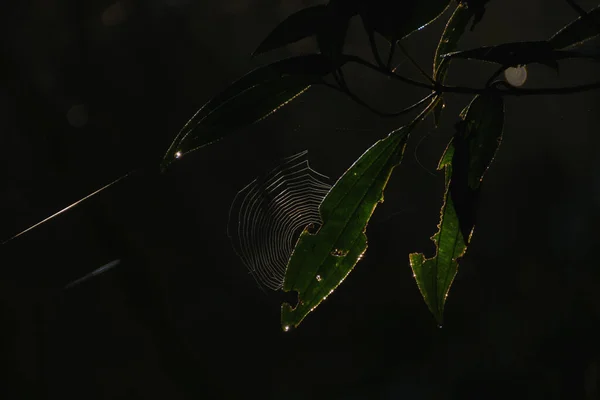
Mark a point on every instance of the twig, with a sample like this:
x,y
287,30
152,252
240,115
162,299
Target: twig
x,y
362,103
416,65
509,91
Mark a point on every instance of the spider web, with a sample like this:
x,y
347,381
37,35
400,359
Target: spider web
x,y
268,215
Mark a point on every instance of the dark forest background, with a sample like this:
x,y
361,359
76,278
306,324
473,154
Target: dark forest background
x,y
90,90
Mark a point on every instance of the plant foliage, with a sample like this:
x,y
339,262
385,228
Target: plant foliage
x,y
321,260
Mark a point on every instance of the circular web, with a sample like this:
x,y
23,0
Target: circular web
x,y
268,215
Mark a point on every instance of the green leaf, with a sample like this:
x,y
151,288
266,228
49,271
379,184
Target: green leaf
x,y
516,54
578,31
455,28
297,26
465,160
253,97
435,275
321,261
395,20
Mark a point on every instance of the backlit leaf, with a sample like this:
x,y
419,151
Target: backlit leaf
x,y
322,260
465,161
253,97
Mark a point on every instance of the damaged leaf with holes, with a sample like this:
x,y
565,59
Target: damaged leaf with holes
x,y
465,161
322,260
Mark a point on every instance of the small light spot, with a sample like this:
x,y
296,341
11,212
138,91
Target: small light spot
x,y
516,76
77,116
286,328
178,154
319,278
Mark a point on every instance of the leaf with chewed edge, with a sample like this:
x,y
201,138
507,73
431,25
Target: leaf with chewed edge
x,y
322,260
465,161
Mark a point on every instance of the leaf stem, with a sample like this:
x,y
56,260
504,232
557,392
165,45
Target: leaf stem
x,y
362,103
507,91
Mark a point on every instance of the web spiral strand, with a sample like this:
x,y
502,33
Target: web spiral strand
x,y
268,215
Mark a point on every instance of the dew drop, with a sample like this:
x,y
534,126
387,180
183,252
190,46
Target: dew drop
x,y
286,328
440,326
178,154
319,278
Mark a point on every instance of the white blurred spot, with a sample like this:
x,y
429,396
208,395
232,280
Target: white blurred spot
x,y
77,116
516,76
178,154
115,14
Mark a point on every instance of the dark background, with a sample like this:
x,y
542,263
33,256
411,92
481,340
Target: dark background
x,y
93,89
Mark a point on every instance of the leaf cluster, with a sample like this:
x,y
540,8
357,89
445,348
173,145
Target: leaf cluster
x,y
321,260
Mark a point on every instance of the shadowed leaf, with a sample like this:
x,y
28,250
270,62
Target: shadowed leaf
x,y
578,31
300,25
477,8
475,143
455,28
395,20
465,161
253,97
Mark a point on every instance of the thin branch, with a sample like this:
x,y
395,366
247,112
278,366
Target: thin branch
x,y
509,91
358,60
495,75
513,91
416,65
359,101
